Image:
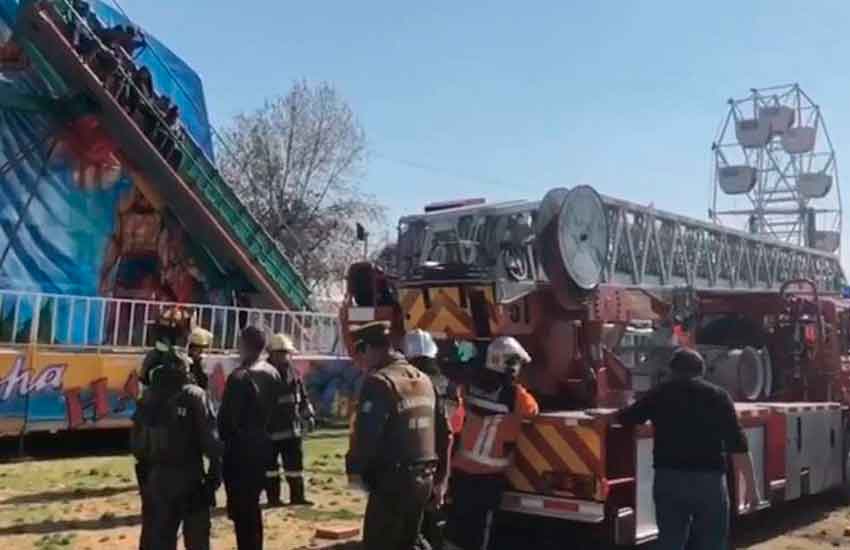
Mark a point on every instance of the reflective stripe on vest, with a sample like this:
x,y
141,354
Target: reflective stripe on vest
x,y
485,460
287,399
487,404
284,434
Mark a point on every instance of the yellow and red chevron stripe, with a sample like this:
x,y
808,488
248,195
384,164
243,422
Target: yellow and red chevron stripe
x,y
446,310
547,448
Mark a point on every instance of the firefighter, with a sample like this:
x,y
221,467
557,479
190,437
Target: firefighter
x,y
495,405
393,452
421,351
169,331
200,342
173,429
292,417
250,396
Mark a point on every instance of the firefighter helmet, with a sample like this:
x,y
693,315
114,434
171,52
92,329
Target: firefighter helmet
x,y
281,342
505,353
418,343
200,337
176,320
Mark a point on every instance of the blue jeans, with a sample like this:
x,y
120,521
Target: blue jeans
x,y
692,510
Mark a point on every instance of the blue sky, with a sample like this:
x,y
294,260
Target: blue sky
x,y
506,100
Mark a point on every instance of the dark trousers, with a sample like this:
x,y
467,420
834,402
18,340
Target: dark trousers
x,y
692,510
475,500
169,502
433,527
397,501
243,508
291,453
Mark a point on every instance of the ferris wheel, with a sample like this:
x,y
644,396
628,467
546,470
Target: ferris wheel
x,y
775,172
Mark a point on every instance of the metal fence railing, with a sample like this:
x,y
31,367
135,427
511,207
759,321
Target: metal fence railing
x,y
115,324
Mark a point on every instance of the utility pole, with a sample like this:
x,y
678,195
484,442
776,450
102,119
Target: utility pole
x,y
363,235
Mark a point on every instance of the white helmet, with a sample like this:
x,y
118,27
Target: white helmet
x,y
418,343
504,351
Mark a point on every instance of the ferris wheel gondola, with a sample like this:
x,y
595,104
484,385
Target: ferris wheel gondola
x,y
775,172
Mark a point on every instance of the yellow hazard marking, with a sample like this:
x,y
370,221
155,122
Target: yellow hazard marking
x,y
519,481
563,449
591,440
532,456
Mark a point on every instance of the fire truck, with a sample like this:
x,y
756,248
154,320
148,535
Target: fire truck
x,y
601,291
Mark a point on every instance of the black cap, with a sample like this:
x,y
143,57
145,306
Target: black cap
x,y
253,338
687,362
376,333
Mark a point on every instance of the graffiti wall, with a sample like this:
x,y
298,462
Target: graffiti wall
x,y
54,391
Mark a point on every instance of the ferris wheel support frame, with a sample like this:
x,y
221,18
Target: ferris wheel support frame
x,y
776,168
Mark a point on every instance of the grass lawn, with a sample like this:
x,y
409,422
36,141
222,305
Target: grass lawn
x,y
92,502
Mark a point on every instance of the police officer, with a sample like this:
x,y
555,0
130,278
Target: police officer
x,y
199,343
292,417
169,331
421,350
495,405
173,429
250,396
393,452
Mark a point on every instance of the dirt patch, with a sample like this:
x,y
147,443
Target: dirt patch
x,y
92,503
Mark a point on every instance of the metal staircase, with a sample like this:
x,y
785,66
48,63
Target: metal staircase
x,y
193,190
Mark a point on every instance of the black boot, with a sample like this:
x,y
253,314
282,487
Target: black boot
x,y
273,492
296,492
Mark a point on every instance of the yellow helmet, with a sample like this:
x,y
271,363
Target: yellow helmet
x,y
201,338
175,319
281,342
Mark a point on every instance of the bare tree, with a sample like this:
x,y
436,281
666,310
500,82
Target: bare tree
x,y
297,162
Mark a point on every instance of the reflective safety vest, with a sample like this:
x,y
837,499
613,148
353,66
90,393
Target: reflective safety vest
x,y
491,428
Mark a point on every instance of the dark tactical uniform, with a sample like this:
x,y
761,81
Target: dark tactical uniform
x,y
199,377
393,450
291,418
173,429
249,399
434,519
161,355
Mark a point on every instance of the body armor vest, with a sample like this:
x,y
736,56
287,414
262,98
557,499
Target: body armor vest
x,y
163,431
410,435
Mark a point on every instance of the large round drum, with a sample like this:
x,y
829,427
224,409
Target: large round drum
x,y
583,237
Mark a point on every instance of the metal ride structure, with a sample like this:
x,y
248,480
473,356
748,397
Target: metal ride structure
x,y
107,216
194,189
600,291
775,173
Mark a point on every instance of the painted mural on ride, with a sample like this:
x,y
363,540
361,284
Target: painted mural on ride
x,y
53,391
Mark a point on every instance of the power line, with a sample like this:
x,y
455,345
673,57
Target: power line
x,y
442,171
